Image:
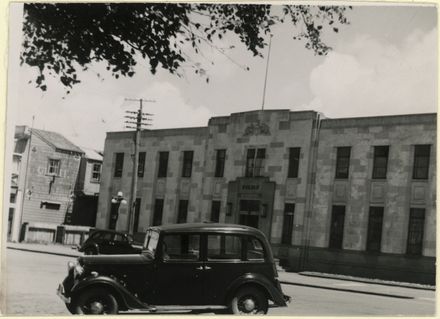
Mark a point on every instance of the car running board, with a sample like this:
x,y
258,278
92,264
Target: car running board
x,y
175,308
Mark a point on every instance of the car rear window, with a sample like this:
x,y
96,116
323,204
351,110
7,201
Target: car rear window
x,y
254,249
224,247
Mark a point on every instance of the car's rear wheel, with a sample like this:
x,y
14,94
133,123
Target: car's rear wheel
x,y
90,251
249,301
94,302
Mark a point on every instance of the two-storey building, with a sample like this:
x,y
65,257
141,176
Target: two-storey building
x,y
354,196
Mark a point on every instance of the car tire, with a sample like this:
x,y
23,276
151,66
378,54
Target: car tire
x,y
95,301
90,251
249,300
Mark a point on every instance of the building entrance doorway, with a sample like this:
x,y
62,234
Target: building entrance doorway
x,y
249,220
249,211
250,203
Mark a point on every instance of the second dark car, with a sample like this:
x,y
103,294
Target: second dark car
x,y
110,242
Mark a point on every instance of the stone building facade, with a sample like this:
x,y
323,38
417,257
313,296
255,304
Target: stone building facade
x,y
353,196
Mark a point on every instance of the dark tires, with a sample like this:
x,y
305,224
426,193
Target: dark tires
x,y
249,301
95,301
90,251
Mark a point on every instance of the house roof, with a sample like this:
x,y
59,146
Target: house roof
x,y
92,154
57,141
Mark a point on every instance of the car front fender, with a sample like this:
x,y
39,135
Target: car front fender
x,y
125,296
259,280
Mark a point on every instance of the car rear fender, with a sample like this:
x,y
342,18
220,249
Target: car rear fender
x,y
260,281
124,297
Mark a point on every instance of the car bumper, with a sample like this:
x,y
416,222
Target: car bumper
x,y
61,294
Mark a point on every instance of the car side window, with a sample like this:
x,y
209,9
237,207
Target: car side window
x,y
224,247
181,247
254,249
119,237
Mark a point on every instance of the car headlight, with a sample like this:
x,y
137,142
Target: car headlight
x,y
78,270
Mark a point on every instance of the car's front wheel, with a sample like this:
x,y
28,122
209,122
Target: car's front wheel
x,y
94,302
249,301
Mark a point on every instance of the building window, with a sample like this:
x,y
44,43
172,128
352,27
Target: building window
x,y
380,162
96,172
293,162
182,214
415,231
255,162
187,163
374,235
220,163
158,210
289,210
421,161
141,164
342,162
53,167
163,164
13,198
119,164
215,211
50,205
137,211
337,227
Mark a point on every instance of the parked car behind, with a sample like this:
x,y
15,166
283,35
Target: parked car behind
x,y
110,242
215,266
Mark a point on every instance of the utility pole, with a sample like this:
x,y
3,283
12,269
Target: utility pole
x,y
138,116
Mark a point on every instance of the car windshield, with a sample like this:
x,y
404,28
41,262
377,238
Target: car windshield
x,y
151,241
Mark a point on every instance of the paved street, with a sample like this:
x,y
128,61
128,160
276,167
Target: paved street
x,y
33,277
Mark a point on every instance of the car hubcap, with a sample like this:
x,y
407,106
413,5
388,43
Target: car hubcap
x,y
96,307
248,305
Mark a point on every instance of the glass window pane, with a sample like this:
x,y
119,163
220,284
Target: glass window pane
x,y
224,247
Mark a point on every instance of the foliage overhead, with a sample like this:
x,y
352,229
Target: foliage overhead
x,y
62,38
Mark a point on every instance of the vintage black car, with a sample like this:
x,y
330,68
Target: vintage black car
x,y
110,242
185,266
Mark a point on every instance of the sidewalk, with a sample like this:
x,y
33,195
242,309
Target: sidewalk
x,y
306,279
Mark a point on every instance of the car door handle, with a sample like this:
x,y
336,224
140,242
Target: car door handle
x,y
203,268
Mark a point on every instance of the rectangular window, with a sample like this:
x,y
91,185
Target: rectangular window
x,y
220,163
141,164
96,172
137,210
342,162
374,236
180,247
380,162
53,167
158,210
215,211
182,214
337,227
224,247
293,162
163,164
187,163
286,237
415,231
254,249
119,164
421,161
255,162
50,205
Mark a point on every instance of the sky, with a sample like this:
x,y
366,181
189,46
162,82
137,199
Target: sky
x,y
383,63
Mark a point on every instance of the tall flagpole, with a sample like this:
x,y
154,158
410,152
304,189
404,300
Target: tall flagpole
x,y
267,70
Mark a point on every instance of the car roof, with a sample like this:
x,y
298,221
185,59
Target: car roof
x,y
107,231
208,227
